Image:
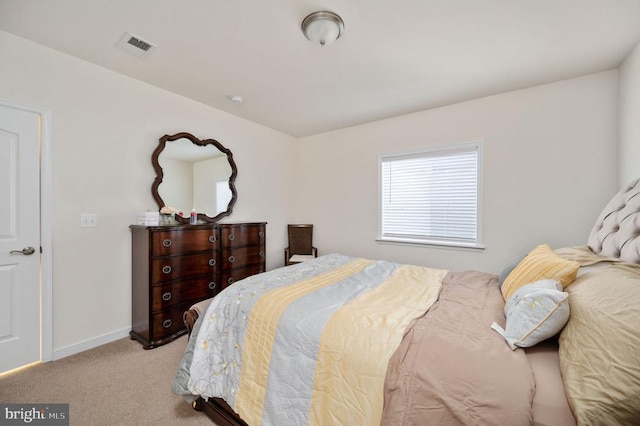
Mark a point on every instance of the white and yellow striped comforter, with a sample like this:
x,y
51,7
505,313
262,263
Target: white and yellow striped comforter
x,y
307,344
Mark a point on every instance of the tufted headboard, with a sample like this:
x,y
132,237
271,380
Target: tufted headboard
x,y
617,231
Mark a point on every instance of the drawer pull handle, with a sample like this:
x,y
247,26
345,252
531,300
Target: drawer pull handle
x,y
212,285
231,237
212,239
212,262
166,296
261,234
166,323
231,280
166,243
261,253
166,269
232,259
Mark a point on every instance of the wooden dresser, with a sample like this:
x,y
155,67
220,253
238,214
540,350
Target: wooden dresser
x,y
174,267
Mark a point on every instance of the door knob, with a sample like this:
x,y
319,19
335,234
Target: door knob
x,y
26,251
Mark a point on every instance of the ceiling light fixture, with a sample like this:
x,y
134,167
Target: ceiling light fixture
x,y
323,27
237,99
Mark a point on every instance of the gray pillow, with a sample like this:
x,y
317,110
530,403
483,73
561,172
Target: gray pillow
x,y
508,268
535,312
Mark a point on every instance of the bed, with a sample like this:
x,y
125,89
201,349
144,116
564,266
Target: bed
x,y
553,340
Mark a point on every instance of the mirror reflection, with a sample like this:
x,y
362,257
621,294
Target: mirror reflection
x,y
194,175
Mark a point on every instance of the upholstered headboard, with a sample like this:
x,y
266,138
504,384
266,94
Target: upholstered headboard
x,y
617,231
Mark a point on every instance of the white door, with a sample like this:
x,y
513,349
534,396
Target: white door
x,y
20,133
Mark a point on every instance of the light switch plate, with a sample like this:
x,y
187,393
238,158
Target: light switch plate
x,y
88,220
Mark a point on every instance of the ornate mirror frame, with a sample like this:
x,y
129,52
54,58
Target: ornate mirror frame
x,y
197,142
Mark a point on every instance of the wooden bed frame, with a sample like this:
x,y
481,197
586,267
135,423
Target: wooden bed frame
x,y
215,408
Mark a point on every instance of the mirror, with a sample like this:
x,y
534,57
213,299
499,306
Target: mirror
x,y
194,174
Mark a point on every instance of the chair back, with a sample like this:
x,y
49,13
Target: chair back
x,y
300,239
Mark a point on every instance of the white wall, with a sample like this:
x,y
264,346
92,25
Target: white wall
x,y
105,128
549,168
629,118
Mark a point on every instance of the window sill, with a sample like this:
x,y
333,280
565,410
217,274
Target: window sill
x,y
435,244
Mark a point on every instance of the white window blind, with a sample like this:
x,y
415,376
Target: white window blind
x,y
431,197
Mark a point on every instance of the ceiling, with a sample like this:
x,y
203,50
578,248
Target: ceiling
x,y
394,58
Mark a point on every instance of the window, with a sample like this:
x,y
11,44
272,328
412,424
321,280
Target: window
x,y
223,195
432,197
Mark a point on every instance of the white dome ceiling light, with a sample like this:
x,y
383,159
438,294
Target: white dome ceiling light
x,y
323,27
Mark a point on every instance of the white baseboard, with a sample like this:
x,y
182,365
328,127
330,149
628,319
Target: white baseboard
x,y
90,343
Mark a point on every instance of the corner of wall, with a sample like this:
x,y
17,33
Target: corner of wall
x,y
628,111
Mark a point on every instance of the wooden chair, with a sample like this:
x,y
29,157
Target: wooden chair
x,y
300,244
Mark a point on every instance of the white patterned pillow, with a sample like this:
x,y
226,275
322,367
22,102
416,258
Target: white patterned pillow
x,y
535,312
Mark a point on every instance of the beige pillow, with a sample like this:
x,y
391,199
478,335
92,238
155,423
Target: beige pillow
x,y
540,264
599,346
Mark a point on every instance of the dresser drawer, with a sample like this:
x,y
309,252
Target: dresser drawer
x,y
243,256
241,235
183,241
231,276
167,323
171,268
169,295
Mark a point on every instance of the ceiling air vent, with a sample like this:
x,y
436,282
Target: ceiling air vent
x,y
134,45
140,44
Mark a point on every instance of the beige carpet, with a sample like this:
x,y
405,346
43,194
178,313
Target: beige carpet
x,y
115,384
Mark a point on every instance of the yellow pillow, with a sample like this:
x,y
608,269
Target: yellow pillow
x,y
540,264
